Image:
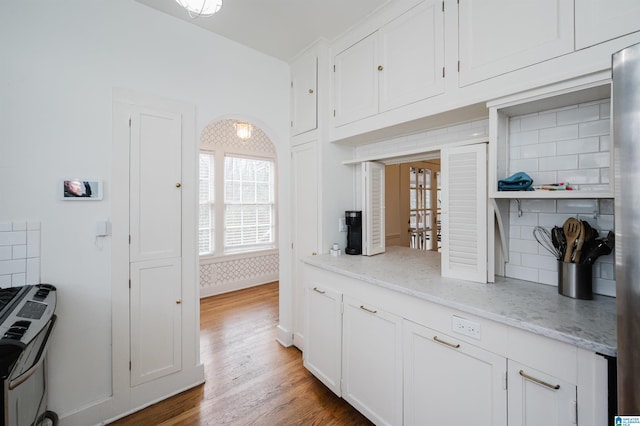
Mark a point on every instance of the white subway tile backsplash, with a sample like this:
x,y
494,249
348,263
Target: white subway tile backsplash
x,y
595,128
18,279
548,277
538,150
578,146
559,133
542,260
526,165
604,287
522,273
594,160
579,176
33,243
6,253
524,247
13,238
579,115
607,270
607,206
33,271
10,267
539,206
19,252
542,178
538,121
19,225
569,144
19,240
574,206
561,162
523,138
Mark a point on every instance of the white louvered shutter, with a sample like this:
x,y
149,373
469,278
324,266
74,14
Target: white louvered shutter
x,y
464,212
373,235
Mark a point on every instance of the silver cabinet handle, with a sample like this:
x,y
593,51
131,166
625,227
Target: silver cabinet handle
x,y
316,289
538,381
371,311
446,343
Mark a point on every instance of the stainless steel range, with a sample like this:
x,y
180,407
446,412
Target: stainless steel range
x,y
27,318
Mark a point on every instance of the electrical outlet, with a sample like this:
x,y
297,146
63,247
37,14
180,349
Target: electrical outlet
x,y
342,224
466,327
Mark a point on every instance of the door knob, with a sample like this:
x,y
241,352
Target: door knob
x,y
380,67
178,185
178,302
310,90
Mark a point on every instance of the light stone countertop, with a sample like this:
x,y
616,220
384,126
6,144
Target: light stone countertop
x,y
538,308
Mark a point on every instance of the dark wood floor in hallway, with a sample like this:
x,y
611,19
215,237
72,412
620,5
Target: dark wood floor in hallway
x,y
250,378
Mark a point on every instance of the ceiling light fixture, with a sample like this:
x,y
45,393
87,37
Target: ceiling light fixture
x,y
201,8
243,130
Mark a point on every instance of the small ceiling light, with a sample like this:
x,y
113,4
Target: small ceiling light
x,y
243,130
201,8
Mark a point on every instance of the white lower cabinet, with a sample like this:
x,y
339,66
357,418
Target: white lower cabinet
x,y
538,399
385,354
323,335
447,379
372,361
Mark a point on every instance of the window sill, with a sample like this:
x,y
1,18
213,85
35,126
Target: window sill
x,y
215,258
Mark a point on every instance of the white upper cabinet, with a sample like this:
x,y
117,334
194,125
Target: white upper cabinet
x,y
412,56
499,36
602,20
399,64
356,81
304,94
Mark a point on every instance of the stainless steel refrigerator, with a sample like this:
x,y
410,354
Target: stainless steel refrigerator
x,y
625,99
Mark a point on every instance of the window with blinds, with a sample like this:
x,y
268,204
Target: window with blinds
x,y
249,203
206,240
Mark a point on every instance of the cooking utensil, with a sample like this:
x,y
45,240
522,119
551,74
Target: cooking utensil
x,y
557,233
603,247
585,233
572,228
545,239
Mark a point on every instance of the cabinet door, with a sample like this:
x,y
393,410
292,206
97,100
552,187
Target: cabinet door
x,y
536,398
371,362
323,335
602,20
356,81
304,173
412,56
445,380
304,94
499,36
464,212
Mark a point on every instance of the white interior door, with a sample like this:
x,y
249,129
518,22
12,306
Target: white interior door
x,y
155,243
304,159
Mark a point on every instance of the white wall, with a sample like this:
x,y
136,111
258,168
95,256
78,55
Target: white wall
x,y
60,62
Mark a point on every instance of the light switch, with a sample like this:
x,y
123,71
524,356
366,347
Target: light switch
x,y
102,228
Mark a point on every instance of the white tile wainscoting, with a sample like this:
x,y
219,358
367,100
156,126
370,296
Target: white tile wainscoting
x,y
19,253
569,144
228,273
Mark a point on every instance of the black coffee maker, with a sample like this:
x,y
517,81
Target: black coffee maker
x,y
354,231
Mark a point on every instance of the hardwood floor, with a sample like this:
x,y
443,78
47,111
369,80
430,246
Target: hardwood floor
x,y
250,378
